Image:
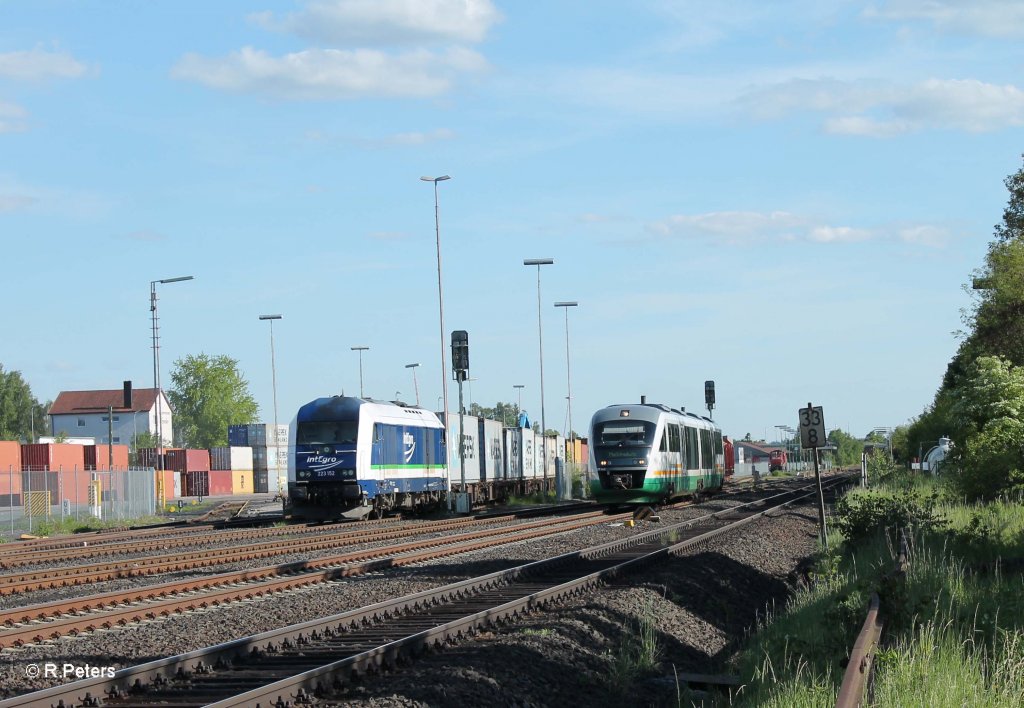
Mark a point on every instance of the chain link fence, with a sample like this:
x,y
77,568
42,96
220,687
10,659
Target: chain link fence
x,y
31,499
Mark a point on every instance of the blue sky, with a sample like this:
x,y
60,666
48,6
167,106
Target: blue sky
x,y
783,197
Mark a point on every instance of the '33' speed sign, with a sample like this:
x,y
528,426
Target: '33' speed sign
x,y
812,427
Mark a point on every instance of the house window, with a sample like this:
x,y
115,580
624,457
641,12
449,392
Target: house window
x,y
81,422
116,438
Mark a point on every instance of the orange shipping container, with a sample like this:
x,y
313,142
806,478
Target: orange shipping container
x,y
52,456
169,477
97,457
220,483
10,473
241,482
10,455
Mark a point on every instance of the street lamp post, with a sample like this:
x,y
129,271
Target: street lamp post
x,y
415,385
440,307
360,350
540,341
273,379
520,388
161,496
568,374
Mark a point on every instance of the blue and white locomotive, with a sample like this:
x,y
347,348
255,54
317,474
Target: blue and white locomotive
x,y
351,457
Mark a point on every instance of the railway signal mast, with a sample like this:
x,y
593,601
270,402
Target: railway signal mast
x,y
460,372
709,397
812,435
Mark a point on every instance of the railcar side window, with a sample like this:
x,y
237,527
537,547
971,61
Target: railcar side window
x,y
692,450
674,443
705,449
663,446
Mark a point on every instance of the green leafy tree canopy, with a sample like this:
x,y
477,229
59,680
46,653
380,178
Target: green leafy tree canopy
x,y
848,448
209,393
19,408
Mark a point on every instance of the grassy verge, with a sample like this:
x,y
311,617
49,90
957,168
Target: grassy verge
x,y
952,624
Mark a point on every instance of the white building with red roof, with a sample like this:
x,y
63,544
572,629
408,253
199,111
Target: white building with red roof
x,y
86,413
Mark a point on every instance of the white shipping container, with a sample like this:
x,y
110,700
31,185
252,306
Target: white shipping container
x,y
231,458
513,458
471,449
265,458
491,466
262,435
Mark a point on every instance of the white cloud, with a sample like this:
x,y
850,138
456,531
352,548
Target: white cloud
x,y
11,118
420,138
332,73
733,226
991,18
926,235
838,234
14,202
869,127
751,227
881,109
387,21
37,64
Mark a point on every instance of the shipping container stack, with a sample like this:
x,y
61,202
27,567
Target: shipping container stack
x,y
269,456
148,457
231,471
97,457
56,469
192,468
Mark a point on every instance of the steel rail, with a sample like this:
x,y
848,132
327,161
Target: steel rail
x,y
450,612
110,610
177,562
860,668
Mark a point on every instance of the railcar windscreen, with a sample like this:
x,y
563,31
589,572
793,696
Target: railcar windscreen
x,y
327,432
632,432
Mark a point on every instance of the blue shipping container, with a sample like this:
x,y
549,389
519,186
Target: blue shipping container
x,y
238,435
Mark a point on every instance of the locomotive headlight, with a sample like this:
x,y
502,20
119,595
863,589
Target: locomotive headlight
x,y
641,461
603,463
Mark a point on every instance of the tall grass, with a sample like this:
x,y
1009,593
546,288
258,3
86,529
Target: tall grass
x,y
639,653
953,624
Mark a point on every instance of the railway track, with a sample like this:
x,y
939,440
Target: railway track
x,y
300,664
50,620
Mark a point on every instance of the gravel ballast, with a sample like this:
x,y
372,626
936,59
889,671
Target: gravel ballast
x,y
701,605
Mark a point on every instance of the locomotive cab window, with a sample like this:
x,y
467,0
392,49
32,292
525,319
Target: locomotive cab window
x,y
327,432
622,433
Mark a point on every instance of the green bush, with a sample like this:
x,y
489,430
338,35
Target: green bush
x,y
992,461
860,514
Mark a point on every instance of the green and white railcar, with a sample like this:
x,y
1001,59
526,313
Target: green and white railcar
x,y
649,453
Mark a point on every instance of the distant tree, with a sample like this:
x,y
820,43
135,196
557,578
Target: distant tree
x,y
208,393
506,413
747,438
901,451
143,440
16,406
40,422
848,448
61,437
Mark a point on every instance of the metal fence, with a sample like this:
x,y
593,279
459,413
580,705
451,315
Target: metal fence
x,y
31,499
